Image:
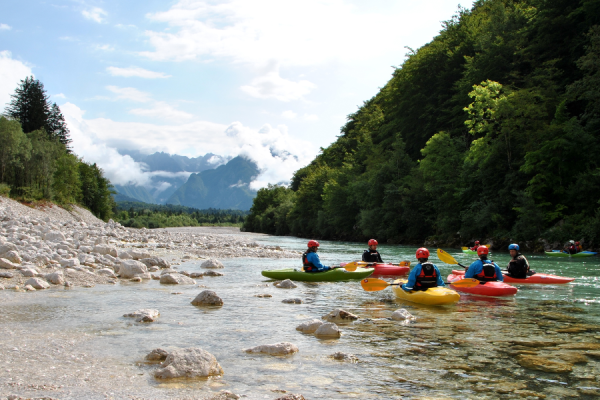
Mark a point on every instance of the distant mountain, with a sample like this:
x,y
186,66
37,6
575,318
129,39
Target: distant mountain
x,y
170,172
226,186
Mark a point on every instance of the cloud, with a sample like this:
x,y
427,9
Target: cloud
x,y
105,47
95,14
129,93
289,114
137,72
310,117
4,27
12,72
271,85
276,153
162,110
60,96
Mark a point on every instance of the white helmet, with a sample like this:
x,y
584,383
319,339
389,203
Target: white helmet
x,y
572,241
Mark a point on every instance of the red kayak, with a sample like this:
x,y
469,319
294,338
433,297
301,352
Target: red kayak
x,y
544,279
386,269
484,289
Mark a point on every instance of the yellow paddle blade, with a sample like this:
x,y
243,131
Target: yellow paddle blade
x,y
446,258
467,282
373,284
404,264
465,248
351,266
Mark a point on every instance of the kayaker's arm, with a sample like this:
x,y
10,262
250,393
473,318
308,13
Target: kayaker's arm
x,y
499,273
412,278
474,269
314,259
440,281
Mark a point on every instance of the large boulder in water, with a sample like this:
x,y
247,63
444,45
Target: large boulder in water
x,y
207,298
176,279
277,349
339,315
189,363
131,268
212,263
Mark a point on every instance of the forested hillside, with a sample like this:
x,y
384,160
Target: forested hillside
x,y
492,130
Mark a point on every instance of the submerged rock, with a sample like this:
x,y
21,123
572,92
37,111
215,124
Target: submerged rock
x,y
207,298
157,355
339,315
309,326
144,315
263,295
291,396
212,263
277,349
339,356
543,364
292,301
328,330
402,315
212,273
224,395
189,363
286,284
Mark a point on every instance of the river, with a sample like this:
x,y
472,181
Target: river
x,y
74,343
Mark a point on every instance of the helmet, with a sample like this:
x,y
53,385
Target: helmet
x,y
576,242
373,242
572,241
513,246
477,242
313,243
422,253
482,250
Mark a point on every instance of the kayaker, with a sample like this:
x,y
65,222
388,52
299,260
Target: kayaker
x,y
372,255
570,247
483,269
476,246
310,259
424,275
518,266
579,247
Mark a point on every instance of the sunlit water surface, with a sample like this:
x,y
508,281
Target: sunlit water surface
x,y
459,351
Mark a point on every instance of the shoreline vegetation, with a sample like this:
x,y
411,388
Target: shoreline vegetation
x,y
489,132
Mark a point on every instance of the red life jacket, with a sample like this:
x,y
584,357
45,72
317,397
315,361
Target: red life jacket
x,y
488,273
308,266
427,278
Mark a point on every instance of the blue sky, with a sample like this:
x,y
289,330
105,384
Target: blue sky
x,y
269,79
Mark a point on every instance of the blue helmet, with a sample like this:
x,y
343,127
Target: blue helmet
x,y
513,246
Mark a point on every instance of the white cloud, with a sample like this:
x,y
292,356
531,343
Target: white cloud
x,y
4,27
95,14
129,93
12,72
60,96
105,47
289,114
271,85
310,117
137,72
276,153
162,110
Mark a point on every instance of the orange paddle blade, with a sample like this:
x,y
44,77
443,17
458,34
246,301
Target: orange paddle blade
x,y
404,264
466,282
373,284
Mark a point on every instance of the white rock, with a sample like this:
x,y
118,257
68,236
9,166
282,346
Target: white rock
x,y
144,315
13,256
207,298
212,263
212,273
28,272
176,279
37,283
286,284
86,249
277,349
328,329
309,326
54,236
103,249
139,254
189,363
5,264
131,268
339,315
402,315
6,247
69,262
55,278
106,272
124,255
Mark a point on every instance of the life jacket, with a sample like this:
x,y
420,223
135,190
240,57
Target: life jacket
x,y
488,272
371,256
518,271
572,249
427,278
308,266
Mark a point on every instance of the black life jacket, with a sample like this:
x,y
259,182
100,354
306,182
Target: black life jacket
x,y
371,256
518,267
488,273
308,266
427,278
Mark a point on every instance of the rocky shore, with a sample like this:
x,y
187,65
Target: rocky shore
x,y
41,247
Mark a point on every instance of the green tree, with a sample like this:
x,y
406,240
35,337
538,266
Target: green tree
x,y
15,147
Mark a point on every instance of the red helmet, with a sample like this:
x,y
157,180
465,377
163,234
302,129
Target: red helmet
x,y
477,242
313,243
373,242
482,250
422,253
576,242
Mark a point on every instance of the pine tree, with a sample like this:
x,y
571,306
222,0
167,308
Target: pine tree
x,y
57,127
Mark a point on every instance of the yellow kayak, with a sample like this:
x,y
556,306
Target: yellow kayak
x,y
436,296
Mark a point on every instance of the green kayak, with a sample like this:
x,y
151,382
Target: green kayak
x,y
558,253
334,275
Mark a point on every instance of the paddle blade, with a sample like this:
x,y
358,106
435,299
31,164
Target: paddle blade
x,y
467,282
464,248
404,264
373,284
351,266
445,257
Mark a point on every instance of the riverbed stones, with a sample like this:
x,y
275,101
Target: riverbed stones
x,y
340,356
286,284
70,262
189,363
328,330
157,355
6,264
176,279
543,364
292,301
6,275
106,272
580,346
402,315
263,295
139,254
29,272
339,315
309,326
13,256
131,268
276,349
144,315
225,395
291,396
212,273
55,278
207,298
37,283
212,263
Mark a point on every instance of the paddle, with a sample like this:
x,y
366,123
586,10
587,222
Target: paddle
x,y
375,285
364,264
448,259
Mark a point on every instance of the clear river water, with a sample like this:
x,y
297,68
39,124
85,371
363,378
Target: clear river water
x,y
74,343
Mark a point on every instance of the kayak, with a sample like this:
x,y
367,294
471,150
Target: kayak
x,y
436,296
386,269
333,275
467,250
543,279
560,253
484,289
